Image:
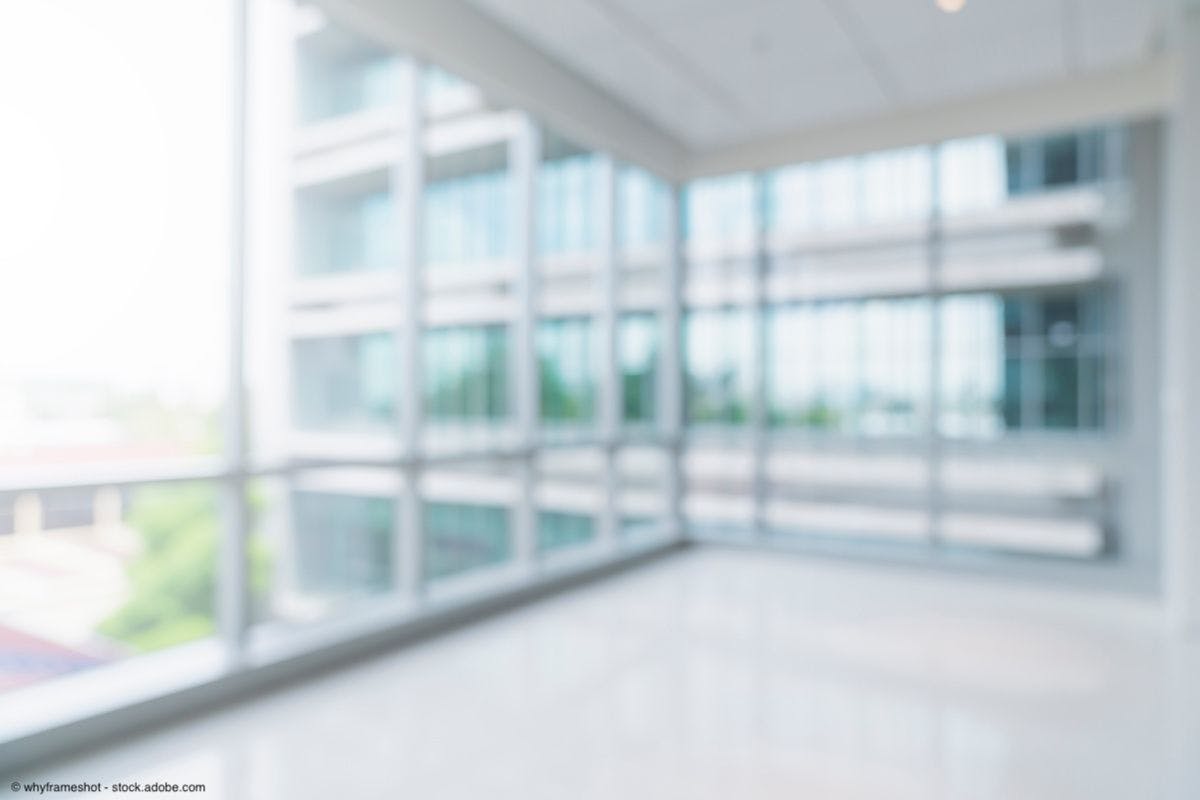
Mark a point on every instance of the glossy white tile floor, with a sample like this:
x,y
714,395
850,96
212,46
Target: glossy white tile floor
x,y
720,674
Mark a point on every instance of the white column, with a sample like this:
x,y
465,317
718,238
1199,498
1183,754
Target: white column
x,y
233,592
935,256
608,355
1181,338
408,186
759,411
670,365
523,162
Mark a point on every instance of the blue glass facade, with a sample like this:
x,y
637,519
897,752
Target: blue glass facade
x,y
467,219
344,382
569,203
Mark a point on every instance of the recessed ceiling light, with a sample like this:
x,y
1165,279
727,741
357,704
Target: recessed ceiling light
x,y
951,6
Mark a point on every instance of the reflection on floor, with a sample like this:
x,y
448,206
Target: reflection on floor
x,y
718,674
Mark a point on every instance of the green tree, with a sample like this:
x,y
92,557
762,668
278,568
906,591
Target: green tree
x,y
174,577
563,400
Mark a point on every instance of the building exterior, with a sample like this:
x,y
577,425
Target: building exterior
x,y
454,280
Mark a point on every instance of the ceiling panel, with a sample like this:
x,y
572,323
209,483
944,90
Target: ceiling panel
x,y
937,71
665,14
657,88
550,24
1114,32
790,89
837,90
715,71
733,36
893,22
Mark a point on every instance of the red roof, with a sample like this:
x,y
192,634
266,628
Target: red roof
x,y
26,659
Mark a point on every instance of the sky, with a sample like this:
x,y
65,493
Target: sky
x,y
115,133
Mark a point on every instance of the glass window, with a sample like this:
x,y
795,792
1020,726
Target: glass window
x,y
792,199
565,358
466,373
719,352
569,199
1046,162
333,84
466,213
466,219
1022,362
643,202
343,543
1060,387
638,352
91,576
896,186
1093,153
1014,394
972,174
1022,167
559,529
461,537
977,396
115,182
878,188
721,209
855,367
1060,155
837,190
980,173
344,382
346,232
631,525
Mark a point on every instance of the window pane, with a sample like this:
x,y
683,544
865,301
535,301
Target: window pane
x,y
719,348
641,493
975,381
466,373
1013,362
343,76
642,206
460,537
720,209
557,529
638,346
92,576
343,543
837,188
1060,156
345,382
850,367
569,198
565,355
466,211
972,175
115,248
792,199
896,186
322,543
1060,381
1020,165
347,229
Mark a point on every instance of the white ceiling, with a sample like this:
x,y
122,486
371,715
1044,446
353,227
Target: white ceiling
x,y
717,72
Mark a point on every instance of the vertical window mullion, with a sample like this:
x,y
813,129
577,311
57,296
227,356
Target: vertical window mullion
x,y
935,254
408,186
232,585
